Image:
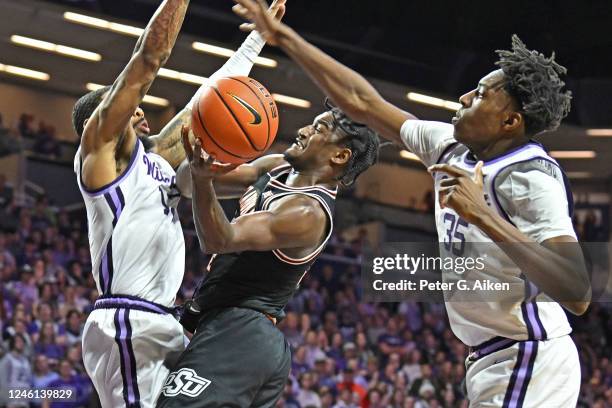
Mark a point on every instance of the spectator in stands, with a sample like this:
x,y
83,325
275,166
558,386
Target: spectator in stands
x,y
48,345
73,328
81,387
15,372
43,375
306,397
25,125
46,142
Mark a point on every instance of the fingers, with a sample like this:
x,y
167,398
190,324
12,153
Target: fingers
x,y
197,153
241,11
449,181
448,169
186,143
247,27
280,13
478,176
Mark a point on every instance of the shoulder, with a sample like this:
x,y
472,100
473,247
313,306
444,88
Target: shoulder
x,y
412,126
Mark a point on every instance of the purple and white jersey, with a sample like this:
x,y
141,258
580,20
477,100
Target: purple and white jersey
x,y
135,237
526,187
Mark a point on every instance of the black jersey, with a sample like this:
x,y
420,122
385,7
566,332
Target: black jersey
x,y
264,281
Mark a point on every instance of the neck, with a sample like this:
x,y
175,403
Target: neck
x,y
498,147
306,178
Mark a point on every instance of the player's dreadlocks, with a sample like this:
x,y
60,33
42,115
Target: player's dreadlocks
x,y
534,81
363,142
85,107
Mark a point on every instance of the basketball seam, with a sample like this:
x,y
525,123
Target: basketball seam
x,y
210,136
264,109
246,135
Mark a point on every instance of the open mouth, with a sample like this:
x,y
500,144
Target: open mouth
x,y
299,144
143,126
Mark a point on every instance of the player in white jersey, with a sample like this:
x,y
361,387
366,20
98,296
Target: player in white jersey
x,y
493,184
128,183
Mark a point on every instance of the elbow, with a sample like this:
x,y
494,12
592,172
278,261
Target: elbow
x,y
152,59
357,107
578,308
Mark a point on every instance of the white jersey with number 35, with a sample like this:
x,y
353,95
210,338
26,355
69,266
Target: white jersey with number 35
x,y
526,187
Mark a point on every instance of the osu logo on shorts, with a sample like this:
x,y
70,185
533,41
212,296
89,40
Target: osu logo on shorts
x,y
184,381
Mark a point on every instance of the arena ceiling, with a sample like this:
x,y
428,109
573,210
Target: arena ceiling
x,y
437,48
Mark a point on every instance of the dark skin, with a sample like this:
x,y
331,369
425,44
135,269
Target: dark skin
x,y
110,134
110,130
296,223
489,123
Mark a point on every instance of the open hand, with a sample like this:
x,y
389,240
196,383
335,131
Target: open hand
x,y
462,192
265,20
202,165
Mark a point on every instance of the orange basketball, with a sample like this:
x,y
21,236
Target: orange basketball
x,y
235,118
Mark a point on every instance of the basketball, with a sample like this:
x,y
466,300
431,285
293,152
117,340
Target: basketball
x,y
235,118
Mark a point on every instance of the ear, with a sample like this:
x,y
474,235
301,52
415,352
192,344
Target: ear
x,y
513,121
342,156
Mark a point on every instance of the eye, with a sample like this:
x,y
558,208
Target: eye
x,y
478,94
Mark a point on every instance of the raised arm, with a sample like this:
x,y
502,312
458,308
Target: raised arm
x,y
168,142
107,128
349,90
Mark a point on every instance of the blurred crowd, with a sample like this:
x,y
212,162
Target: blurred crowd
x,y
345,353
40,138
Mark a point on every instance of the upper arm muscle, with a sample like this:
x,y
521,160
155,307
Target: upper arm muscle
x,y
294,222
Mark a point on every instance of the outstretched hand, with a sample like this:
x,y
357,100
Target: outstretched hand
x,y
267,21
202,165
462,192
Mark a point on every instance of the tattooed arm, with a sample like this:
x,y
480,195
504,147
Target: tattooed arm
x,y
109,122
168,142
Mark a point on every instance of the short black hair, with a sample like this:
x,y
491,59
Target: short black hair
x,y
361,140
85,107
534,81
13,341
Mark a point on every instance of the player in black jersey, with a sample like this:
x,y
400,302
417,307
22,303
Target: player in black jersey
x,y
237,357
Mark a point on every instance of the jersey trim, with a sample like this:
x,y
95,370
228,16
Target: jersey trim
x,y
471,162
116,202
283,186
446,151
300,261
568,193
104,189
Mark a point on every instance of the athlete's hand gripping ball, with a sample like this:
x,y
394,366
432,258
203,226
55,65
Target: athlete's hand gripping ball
x,y
462,192
202,165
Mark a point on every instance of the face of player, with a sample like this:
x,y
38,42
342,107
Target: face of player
x,y
140,124
485,112
318,145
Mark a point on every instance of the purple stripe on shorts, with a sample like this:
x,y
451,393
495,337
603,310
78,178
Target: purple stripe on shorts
x,y
523,375
128,371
